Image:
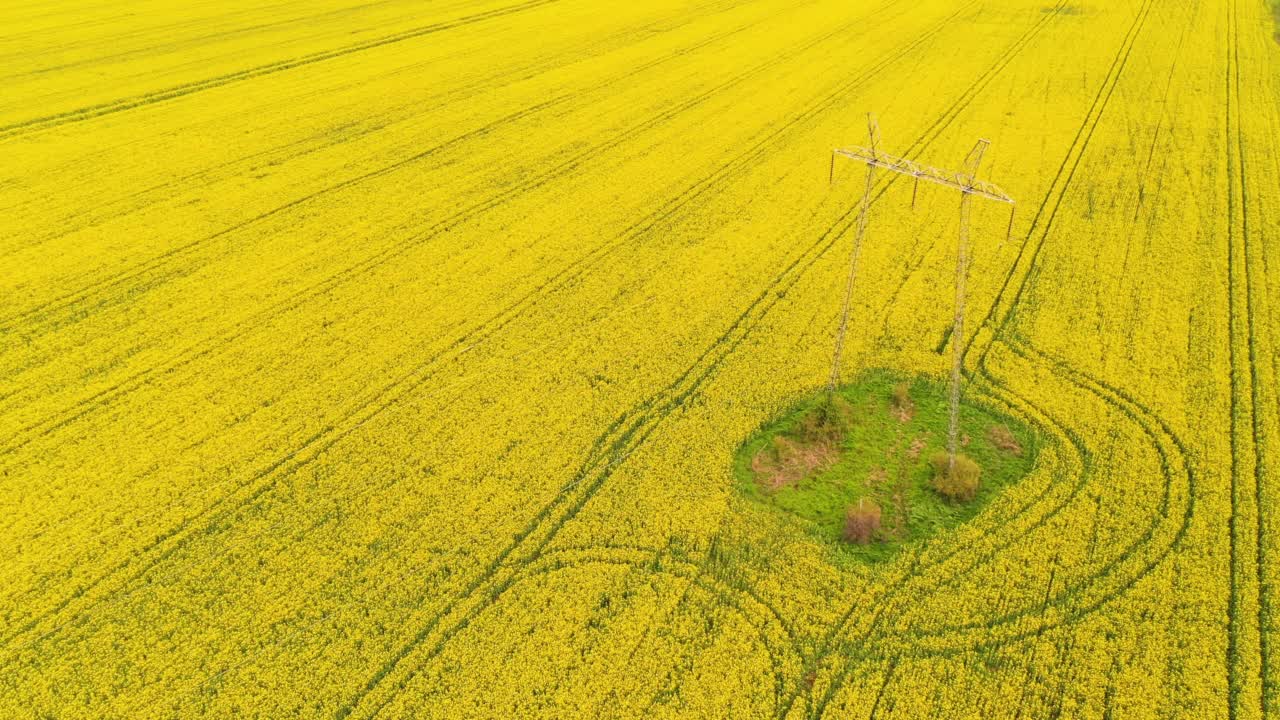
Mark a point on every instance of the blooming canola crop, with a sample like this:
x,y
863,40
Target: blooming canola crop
x,y
371,360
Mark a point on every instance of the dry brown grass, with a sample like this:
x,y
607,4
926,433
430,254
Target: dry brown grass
x,y
786,462
813,446
877,476
1002,438
862,522
901,404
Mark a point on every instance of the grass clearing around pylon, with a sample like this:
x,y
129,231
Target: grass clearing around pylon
x,y
891,427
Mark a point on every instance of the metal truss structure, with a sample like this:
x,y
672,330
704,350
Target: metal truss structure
x,y
969,186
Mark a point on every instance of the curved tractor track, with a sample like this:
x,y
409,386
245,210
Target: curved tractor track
x,y
254,487
865,647
1021,406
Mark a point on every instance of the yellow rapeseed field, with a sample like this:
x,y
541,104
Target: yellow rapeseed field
x,y
388,359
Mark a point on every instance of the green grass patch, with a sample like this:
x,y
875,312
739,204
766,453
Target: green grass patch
x,y
858,470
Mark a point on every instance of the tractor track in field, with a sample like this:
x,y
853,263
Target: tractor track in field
x,y
95,111
850,650
1234,680
169,541
618,424
633,427
1032,633
1160,447
1147,420
1174,460
45,316
774,634
626,38
502,560
1161,436
177,27
89,404
1063,178
1247,435
1055,195
972,91
1268,626
343,576
1122,571
1176,519
781,649
623,437
404,681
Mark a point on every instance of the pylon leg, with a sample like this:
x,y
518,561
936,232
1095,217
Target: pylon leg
x,y
957,335
853,272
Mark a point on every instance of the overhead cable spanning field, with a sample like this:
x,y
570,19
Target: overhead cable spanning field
x,y
390,360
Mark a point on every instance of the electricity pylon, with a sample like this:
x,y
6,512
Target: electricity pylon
x,y
967,182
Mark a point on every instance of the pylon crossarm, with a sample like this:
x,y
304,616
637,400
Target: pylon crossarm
x,y
988,190
957,181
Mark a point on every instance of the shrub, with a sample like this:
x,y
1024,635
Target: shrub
x,y
902,406
959,484
827,422
902,395
862,522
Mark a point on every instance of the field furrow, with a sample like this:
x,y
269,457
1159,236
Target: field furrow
x,y
373,359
